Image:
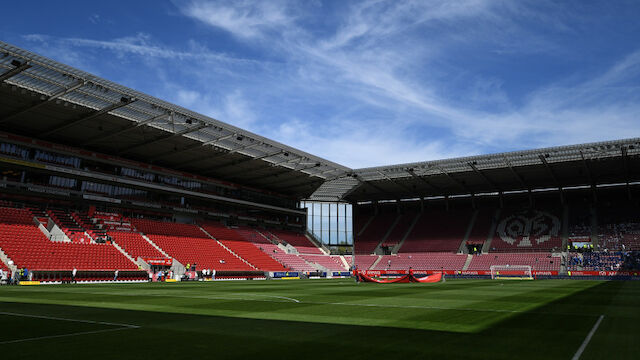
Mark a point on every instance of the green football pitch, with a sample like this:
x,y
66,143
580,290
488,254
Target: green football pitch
x,y
456,319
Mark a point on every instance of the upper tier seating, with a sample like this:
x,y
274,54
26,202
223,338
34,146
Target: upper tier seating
x,y
135,245
332,263
359,222
437,232
205,252
109,221
297,240
481,227
69,226
422,261
168,228
528,230
400,230
537,261
28,247
619,227
367,242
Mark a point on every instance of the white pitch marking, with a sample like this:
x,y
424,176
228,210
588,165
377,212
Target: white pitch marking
x,y
66,319
587,339
67,335
121,327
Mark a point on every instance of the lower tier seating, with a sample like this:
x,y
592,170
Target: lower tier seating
x,y
205,252
422,261
28,247
135,245
332,263
290,261
297,240
364,262
537,261
253,255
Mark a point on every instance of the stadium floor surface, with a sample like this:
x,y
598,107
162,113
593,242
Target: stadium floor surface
x,y
457,319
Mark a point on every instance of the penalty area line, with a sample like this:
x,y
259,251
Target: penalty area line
x,y
120,327
587,339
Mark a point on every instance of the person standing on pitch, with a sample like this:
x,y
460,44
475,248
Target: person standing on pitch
x,y
73,275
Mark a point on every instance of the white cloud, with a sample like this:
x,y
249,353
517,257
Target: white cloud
x,y
242,18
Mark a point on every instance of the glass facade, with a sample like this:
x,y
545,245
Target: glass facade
x,y
330,222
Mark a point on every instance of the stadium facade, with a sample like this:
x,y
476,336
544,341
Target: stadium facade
x,y
108,178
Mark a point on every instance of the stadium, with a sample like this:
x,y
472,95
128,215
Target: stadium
x,y
131,226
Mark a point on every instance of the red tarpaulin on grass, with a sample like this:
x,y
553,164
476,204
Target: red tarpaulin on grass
x,y
410,278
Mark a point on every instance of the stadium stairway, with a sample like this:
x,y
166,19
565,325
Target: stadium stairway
x,y
487,244
406,235
378,248
124,252
227,248
155,246
5,260
375,262
468,262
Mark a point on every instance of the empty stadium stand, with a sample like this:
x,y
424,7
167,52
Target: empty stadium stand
x,y
364,262
422,261
297,240
367,242
135,245
242,242
537,260
28,247
437,232
329,262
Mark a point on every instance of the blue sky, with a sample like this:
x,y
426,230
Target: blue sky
x,y
365,83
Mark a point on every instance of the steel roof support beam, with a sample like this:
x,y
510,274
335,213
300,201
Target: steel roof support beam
x,y
124,102
15,71
551,172
135,125
238,162
625,161
516,175
456,181
484,176
43,102
398,184
201,158
163,138
424,181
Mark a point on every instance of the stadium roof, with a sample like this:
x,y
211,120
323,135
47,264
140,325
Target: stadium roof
x,y
586,165
44,99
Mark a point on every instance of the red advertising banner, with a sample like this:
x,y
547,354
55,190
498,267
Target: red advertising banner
x,y
166,262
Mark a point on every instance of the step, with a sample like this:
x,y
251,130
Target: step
x,y
228,249
468,262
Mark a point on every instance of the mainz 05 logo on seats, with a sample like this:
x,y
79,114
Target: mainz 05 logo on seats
x,y
527,229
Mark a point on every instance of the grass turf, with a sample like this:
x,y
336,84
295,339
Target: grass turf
x,y
478,319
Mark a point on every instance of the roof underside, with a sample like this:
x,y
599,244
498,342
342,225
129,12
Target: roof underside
x,y
587,165
43,99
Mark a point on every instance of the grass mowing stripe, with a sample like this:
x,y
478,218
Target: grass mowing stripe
x,y
587,339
